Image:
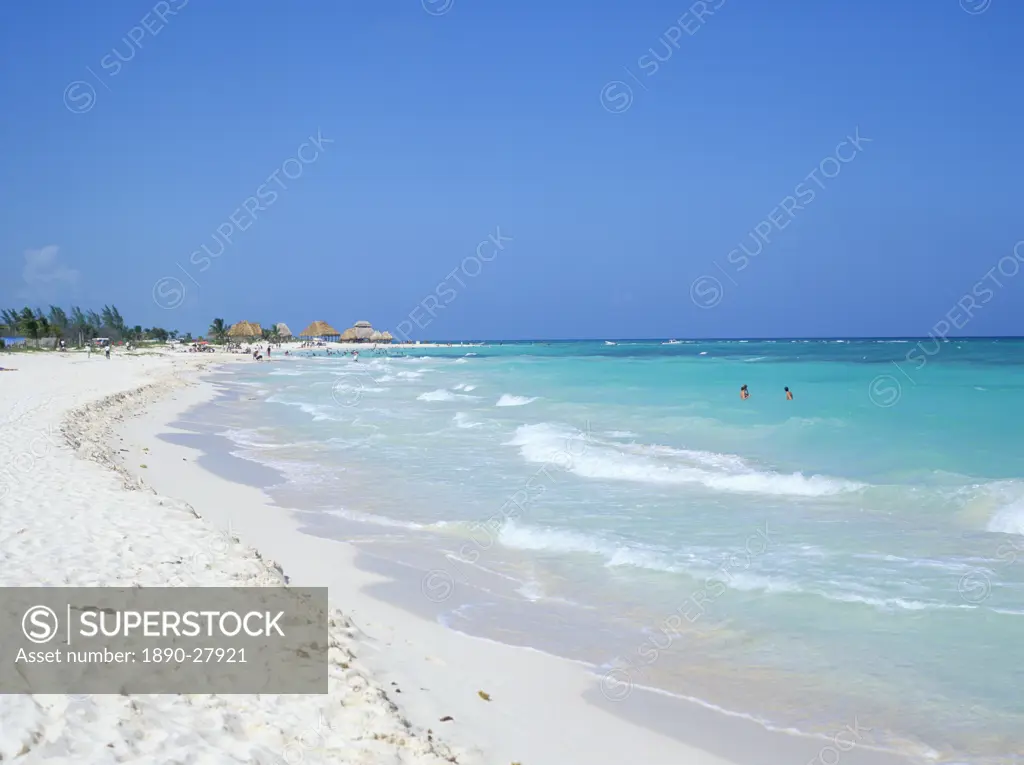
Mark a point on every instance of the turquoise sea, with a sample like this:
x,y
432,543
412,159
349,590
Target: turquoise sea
x,y
855,553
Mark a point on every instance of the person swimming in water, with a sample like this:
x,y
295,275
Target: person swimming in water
x,y
789,394
744,393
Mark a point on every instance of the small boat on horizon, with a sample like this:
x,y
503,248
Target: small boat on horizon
x,y
609,342
673,342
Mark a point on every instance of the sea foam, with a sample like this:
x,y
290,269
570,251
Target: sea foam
x,y
1008,520
604,460
440,394
508,399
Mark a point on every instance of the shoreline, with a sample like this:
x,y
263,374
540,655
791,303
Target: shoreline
x,y
84,522
651,719
528,691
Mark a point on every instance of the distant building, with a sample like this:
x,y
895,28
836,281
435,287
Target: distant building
x,y
245,330
320,330
363,332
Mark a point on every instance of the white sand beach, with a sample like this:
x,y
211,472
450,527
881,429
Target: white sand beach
x,y
85,503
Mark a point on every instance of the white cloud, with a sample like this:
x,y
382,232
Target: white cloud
x,y
44,276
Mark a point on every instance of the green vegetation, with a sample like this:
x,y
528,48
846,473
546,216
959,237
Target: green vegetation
x,y
218,331
77,328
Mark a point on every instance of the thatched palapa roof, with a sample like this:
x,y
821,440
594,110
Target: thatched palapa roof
x,y
245,329
282,330
319,329
363,332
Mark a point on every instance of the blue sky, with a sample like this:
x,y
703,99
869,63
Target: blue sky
x,y
134,130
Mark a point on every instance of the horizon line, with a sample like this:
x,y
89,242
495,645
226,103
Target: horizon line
x,y
708,339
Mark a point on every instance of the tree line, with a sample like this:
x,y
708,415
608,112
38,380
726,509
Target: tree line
x,y
79,326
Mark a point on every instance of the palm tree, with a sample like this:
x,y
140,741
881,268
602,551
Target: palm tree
x,y
45,329
80,326
112,319
57,334
28,324
58,319
95,322
10,318
218,331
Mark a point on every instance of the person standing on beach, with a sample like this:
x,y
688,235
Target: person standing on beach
x,y
744,393
107,352
789,394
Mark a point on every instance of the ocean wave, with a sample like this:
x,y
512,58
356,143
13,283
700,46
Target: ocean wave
x,y
532,590
462,420
507,399
376,520
995,506
836,592
616,554
441,394
358,387
319,412
891,604
606,460
248,439
325,412
954,567
296,472
641,558
521,536
1008,520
